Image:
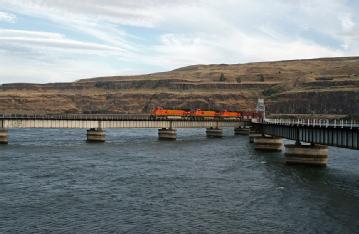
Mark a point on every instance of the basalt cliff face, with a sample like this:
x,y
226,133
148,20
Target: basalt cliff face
x,y
317,86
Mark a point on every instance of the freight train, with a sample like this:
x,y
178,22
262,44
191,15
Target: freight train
x,y
168,114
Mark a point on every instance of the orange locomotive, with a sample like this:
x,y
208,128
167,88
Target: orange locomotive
x,y
163,112
198,114
160,113
230,114
203,113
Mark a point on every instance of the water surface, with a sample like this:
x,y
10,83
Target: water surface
x,y
51,180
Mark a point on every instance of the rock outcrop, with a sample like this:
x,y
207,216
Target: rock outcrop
x,y
317,86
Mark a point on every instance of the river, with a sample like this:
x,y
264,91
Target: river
x,y
53,181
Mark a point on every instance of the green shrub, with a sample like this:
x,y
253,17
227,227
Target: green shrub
x,y
273,90
222,78
261,78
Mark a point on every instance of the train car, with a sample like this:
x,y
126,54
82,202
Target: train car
x,y
160,113
229,114
246,115
203,114
250,115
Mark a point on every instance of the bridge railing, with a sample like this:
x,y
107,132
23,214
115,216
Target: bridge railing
x,y
78,116
315,122
110,117
342,133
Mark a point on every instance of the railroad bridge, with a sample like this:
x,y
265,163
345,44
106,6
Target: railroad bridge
x,y
97,123
312,137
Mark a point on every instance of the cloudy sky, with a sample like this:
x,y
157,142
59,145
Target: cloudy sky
x,y
56,40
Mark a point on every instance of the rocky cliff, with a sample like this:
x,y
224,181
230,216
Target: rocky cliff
x,y
317,86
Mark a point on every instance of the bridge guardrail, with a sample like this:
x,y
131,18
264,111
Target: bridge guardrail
x,y
104,117
315,122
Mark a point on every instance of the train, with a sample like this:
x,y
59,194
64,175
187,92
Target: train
x,y
198,114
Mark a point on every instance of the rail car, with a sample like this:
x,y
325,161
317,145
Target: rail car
x,y
230,114
203,114
198,114
251,115
158,112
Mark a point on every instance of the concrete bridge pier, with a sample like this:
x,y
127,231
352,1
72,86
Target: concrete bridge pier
x,y
167,134
96,135
316,155
253,134
214,132
3,136
241,131
268,143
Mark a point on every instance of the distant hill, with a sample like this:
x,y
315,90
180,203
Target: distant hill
x,y
315,86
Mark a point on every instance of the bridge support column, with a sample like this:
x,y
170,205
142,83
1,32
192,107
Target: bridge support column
x,y
241,131
268,143
316,155
214,132
167,134
253,134
3,136
96,135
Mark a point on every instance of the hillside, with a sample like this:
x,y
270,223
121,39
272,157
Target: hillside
x,y
316,86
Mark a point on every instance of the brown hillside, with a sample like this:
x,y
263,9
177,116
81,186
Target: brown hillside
x,y
317,86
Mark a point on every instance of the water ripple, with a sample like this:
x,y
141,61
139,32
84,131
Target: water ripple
x,y
52,181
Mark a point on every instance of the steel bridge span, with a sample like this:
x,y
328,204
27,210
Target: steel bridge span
x,y
266,135
111,121
318,133
97,123
339,136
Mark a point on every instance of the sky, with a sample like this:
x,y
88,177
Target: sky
x,y
45,41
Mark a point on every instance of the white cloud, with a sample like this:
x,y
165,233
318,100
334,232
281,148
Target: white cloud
x,y
7,17
180,50
33,56
347,22
30,34
45,39
137,13
183,32
61,71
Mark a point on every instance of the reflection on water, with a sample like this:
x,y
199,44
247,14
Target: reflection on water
x,y
53,180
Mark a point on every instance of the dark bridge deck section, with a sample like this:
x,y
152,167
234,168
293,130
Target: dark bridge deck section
x,y
339,136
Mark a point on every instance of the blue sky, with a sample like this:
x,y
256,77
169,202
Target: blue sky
x,y
57,41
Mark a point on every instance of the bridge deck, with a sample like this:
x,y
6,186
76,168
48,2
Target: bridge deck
x,y
340,136
111,121
106,117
